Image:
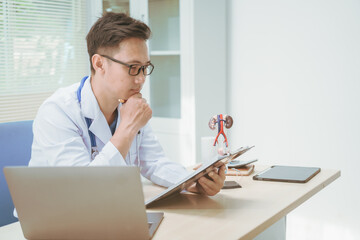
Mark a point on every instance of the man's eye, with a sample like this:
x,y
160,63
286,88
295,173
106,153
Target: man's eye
x,y
134,69
136,66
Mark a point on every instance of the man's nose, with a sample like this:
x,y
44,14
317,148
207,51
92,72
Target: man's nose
x,y
140,78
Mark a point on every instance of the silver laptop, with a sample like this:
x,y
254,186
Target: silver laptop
x,y
81,202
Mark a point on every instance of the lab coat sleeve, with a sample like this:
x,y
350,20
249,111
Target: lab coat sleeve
x,y
155,166
59,139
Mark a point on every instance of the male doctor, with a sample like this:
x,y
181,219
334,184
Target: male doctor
x,y
103,120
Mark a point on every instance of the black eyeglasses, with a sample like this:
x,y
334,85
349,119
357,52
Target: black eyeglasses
x,y
134,69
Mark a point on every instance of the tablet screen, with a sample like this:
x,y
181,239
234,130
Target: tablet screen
x,y
287,174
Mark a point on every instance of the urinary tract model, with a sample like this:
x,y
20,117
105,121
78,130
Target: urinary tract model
x,y
222,121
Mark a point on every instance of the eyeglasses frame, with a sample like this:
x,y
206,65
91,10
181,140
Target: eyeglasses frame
x,y
131,65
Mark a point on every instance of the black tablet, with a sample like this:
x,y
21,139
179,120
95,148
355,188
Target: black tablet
x,y
287,174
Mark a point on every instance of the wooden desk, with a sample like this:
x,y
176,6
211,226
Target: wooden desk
x,y
241,213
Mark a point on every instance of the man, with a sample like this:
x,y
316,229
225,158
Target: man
x,y
103,121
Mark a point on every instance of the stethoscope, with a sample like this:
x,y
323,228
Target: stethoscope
x,y
94,149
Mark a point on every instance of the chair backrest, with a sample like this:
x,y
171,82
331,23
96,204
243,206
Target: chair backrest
x,y
15,150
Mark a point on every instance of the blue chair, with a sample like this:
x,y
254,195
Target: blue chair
x,y
15,150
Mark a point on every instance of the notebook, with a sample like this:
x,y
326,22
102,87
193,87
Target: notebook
x,y
81,202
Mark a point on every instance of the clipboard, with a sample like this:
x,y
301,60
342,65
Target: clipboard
x,y
192,178
293,174
243,171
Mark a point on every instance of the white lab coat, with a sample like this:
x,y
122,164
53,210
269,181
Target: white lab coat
x,y
61,138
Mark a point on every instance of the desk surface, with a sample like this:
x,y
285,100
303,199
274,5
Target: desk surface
x,y
241,213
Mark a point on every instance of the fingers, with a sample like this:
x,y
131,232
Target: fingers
x,y
196,188
209,187
212,187
136,95
148,112
200,189
222,173
138,101
219,175
136,112
139,96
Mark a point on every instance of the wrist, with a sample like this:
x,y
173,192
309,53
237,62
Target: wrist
x,y
127,129
123,137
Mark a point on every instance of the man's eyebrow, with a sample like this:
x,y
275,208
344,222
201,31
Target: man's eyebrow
x,y
138,62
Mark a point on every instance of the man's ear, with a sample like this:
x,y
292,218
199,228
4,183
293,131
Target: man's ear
x,y
98,63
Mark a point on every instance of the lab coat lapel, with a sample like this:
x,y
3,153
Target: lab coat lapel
x,y
90,109
100,128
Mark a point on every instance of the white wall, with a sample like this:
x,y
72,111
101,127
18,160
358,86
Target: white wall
x,y
294,92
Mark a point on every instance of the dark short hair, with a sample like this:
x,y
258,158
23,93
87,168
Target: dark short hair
x,y
111,29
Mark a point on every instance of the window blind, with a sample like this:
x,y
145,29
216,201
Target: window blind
x,y
42,48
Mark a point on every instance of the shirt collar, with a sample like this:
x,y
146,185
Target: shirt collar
x,y
91,109
89,105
